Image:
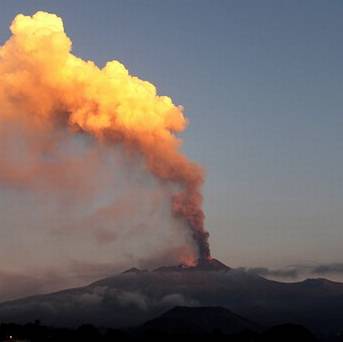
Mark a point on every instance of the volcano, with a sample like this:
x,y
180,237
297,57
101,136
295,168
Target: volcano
x,y
136,296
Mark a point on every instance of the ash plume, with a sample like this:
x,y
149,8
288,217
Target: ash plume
x,y
44,88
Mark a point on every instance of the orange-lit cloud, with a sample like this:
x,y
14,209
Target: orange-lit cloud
x,y
44,88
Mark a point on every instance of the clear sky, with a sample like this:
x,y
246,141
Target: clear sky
x,y
261,83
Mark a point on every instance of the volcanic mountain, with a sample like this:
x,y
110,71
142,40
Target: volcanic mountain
x,y
136,296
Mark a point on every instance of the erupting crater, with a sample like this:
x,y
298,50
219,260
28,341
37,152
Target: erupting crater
x,y
210,264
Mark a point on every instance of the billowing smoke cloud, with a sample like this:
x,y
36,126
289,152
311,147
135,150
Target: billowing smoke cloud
x,y
56,102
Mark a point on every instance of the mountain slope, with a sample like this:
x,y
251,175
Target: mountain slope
x,y
131,298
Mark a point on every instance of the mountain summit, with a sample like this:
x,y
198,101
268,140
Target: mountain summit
x,y
211,265
201,265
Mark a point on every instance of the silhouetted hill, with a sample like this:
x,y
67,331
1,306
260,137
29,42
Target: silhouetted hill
x,y
35,332
199,320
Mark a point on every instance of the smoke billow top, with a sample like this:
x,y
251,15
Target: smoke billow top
x,y
43,85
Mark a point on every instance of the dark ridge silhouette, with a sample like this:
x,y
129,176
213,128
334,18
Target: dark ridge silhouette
x,y
199,320
36,332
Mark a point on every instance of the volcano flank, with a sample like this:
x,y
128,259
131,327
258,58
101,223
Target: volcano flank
x,y
135,296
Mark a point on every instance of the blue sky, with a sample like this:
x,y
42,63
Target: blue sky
x,y
261,84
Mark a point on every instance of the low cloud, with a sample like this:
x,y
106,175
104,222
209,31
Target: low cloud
x,y
105,304
332,271
292,273
336,268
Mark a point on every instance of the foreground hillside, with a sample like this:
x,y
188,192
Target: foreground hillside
x,y
192,324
